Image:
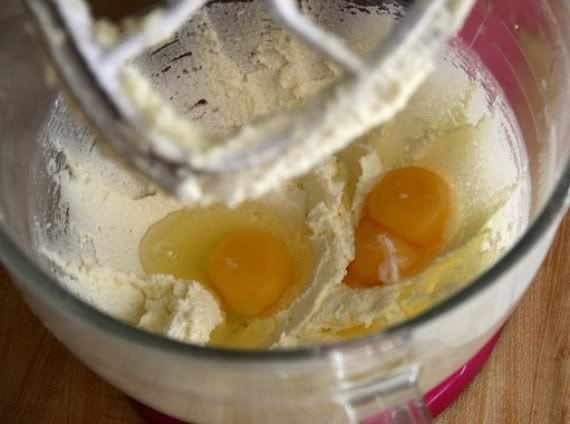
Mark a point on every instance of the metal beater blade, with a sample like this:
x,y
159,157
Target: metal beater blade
x,y
92,58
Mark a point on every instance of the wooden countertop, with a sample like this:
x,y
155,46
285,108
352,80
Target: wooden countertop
x,y
527,379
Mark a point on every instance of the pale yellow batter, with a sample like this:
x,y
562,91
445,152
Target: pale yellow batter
x,y
142,257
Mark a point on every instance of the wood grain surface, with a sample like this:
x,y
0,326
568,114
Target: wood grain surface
x,y
527,379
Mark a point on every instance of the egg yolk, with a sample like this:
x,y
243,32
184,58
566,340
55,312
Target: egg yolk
x,y
407,220
382,257
250,270
413,203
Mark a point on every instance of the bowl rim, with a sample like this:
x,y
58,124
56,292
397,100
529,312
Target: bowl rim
x,y
36,280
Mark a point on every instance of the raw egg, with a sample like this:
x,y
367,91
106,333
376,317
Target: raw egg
x,y
250,269
409,217
254,259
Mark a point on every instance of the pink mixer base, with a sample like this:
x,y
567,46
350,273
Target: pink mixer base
x,y
443,395
437,399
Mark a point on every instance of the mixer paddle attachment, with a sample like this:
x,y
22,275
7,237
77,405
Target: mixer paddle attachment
x,y
92,57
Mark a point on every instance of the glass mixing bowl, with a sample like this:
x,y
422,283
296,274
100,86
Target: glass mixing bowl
x,y
523,43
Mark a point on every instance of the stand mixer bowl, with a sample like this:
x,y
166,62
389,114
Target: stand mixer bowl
x,y
523,44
